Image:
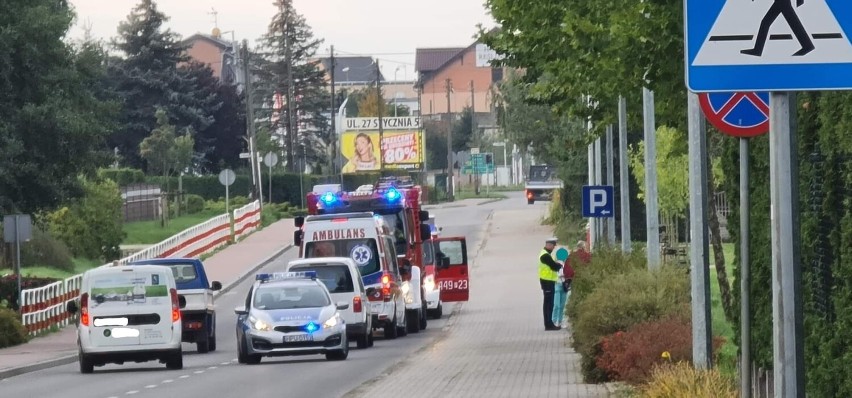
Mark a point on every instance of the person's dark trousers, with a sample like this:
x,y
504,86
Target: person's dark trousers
x,y
548,288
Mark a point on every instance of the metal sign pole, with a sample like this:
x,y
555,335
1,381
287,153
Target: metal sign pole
x,y
702,337
18,260
592,222
745,281
624,187
610,180
652,214
787,319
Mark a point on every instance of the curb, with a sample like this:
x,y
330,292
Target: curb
x,y
65,360
490,201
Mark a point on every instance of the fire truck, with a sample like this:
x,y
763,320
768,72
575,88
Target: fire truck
x,y
397,201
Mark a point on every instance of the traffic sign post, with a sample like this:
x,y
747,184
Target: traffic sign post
x,y
738,46
737,114
226,178
17,228
270,159
598,201
744,46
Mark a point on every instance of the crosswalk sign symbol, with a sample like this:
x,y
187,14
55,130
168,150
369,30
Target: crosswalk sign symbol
x,y
768,45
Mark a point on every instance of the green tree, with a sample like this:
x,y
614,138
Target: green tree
x,y
53,115
672,171
91,226
164,151
148,78
311,135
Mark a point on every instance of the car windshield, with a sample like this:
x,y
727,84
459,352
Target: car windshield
x,y
290,297
335,277
184,272
364,252
397,225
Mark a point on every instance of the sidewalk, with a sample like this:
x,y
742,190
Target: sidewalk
x,y
229,266
495,344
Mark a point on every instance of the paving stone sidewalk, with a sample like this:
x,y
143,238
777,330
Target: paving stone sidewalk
x,y
228,266
495,345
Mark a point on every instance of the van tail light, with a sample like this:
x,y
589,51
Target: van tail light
x,y
84,309
175,305
529,195
356,304
386,288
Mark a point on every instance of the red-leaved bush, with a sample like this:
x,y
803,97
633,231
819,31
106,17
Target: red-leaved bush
x,y
632,355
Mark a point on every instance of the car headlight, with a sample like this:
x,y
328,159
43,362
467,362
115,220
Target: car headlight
x,y
331,322
429,283
259,324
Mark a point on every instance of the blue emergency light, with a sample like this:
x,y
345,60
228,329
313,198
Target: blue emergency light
x,y
311,327
392,194
328,198
267,277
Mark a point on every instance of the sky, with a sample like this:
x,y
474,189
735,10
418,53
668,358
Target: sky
x,y
390,30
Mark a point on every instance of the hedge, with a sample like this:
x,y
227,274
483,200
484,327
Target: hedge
x,y
825,189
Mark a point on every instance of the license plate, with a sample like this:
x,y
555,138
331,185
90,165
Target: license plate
x,y
296,338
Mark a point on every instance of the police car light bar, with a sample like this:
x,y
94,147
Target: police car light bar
x,y
267,277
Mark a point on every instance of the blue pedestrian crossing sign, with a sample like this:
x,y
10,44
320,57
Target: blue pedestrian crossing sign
x,y
598,201
768,45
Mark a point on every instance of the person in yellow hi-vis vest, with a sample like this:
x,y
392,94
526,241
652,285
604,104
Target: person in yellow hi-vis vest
x,y
547,275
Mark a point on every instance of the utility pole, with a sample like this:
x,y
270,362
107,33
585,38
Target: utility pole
x,y
292,132
250,132
624,188
380,106
450,170
334,143
475,137
652,212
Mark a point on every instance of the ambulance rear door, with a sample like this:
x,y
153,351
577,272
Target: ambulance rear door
x,y
453,277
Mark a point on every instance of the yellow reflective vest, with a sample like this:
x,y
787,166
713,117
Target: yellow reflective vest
x,y
544,271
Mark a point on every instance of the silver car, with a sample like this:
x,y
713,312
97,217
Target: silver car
x,y
290,314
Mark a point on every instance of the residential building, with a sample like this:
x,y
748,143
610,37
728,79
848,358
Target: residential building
x,y
463,67
220,55
355,73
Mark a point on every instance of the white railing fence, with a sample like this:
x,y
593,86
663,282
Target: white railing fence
x,y
44,307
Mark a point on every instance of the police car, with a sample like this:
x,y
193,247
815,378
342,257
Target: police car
x,y
290,314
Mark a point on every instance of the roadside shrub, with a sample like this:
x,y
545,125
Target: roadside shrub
x,y
682,380
625,300
46,251
11,331
122,177
631,356
194,203
605,264
238,201
91,226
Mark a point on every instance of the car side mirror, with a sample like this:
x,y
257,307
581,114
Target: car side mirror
x,y
181,301
424,215
241,310
342,305
297,237
71,307
444,263
425,232
216,286
299,221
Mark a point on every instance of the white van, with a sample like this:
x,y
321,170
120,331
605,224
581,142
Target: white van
x,y
343,280
365,239
128,314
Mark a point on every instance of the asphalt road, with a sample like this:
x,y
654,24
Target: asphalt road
x,y
218,375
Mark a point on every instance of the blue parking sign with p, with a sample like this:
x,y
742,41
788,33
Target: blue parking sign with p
x,y
598,201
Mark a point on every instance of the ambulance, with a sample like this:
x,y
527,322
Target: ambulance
x,y
366,239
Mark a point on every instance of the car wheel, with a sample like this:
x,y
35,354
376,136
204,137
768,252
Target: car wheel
x,y
211,341
391,329
339,355
370,337
202,345
175,361
437,313
412,321
87,366
423,318
243,356
530,201
363,340
402,331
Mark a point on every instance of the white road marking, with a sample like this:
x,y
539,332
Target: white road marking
x,y
184,376
198,372
212,367
151,386
225,363
167,381
132,392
